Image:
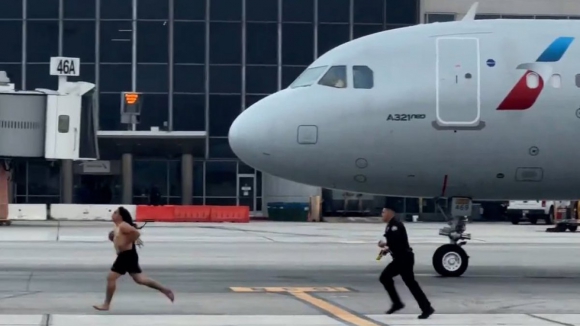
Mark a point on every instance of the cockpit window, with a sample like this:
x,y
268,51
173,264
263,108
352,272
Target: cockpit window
x,y
362,77
334,77
308,77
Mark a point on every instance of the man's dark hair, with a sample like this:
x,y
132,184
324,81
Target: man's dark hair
x,y
389,207
126,216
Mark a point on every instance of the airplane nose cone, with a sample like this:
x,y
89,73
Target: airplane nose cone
x,y
246,135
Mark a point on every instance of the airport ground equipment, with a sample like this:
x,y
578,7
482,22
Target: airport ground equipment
x,y
46,124
566,218
450,259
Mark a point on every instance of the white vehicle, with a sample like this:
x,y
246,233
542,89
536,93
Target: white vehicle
x,y
534,210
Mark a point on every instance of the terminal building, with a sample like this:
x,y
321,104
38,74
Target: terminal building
x,y
195,65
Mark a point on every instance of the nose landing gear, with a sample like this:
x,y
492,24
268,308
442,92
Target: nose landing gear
x,y
451,260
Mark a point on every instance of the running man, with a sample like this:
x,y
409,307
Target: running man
x,y
124,237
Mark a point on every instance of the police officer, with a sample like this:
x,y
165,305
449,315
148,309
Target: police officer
x,y
403,260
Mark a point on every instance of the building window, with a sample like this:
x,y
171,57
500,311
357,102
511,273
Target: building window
x,y
331,36
333,11
76,9
298,11
11,41
116,9
188,112
225,10
79,40
223,110
369,11
399,12
150,176
487,16
42,40
261,10
152,9
297,44
43,179
41,9
11,9
221,179
439,18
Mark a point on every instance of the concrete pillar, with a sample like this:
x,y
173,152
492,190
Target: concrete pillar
x,y
186,179
127,172
66,172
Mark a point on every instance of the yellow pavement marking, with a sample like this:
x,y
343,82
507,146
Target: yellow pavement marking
x,y
288,289
301,293
333,310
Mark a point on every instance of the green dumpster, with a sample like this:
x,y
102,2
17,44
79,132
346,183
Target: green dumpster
x,y
288,212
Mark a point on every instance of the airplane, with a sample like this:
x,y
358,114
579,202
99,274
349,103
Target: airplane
x,y
463,110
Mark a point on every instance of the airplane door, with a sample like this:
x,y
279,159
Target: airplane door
x,y
457,81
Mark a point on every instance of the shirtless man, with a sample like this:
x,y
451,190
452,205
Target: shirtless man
x,y
124,238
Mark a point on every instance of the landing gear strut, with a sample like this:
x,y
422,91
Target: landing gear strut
x,y
450,260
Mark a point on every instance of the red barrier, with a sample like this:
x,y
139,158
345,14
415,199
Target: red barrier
x,y
154,213
192,213
233,214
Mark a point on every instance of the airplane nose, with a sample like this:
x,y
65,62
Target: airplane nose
x,y
246,135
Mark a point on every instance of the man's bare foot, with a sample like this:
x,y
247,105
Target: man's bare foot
x,y
103,307
169,294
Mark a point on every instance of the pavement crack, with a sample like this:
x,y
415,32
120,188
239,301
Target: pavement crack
x,y
19,295
549,320
499,309
235,229
28,282
57,231
46,319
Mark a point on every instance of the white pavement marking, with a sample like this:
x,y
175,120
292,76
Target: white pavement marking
x,y
309,320
475,320
18,320
189,320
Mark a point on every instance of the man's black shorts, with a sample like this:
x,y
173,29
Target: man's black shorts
x,y
127,262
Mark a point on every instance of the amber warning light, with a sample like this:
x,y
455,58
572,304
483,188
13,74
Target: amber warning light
x,y
131,98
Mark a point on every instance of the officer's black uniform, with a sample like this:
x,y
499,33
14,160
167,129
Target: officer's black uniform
x,y
403,262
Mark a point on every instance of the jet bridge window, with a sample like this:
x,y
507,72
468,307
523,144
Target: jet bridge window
x,y
308,77
362,77
63,123
334,77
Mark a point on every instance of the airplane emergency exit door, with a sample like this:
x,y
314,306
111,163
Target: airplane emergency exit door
x,y
457,82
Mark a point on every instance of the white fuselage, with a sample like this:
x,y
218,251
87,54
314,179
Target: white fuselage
x,y
435,122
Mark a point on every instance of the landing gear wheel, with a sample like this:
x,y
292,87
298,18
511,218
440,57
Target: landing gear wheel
x,y
572,228
515,220
450,260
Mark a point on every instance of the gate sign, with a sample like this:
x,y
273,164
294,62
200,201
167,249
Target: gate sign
x,y
62,66
131,103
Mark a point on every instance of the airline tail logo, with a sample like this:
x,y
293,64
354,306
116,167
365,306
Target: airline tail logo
x,y
521,97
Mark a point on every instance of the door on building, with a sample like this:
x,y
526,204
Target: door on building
x,y
247,191
457,82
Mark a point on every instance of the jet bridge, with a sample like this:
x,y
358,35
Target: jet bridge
x,y
46,124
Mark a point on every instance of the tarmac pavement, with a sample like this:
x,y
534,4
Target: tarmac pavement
x,y
267,273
